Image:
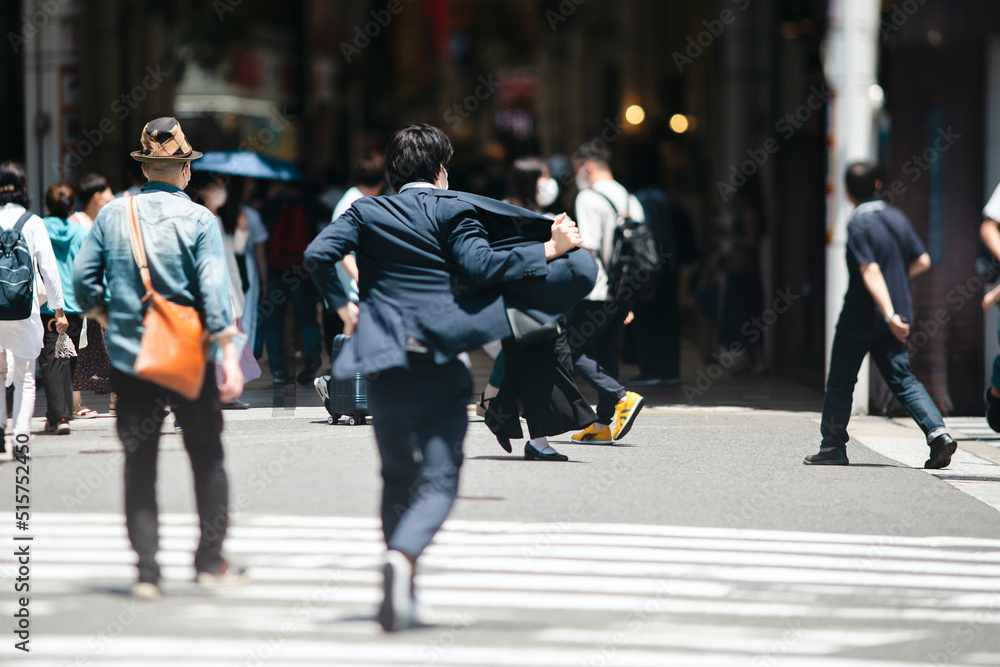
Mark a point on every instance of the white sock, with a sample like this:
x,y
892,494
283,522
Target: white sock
x,y
542,445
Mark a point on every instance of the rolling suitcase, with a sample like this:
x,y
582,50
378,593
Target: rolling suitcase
x,y
344,397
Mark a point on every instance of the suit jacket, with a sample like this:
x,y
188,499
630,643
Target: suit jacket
x,y
437,266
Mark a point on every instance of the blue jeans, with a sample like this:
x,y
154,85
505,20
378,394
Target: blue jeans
x,y
893,361
302,294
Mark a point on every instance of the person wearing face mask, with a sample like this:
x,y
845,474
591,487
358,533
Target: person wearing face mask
x,y
540,375
596,325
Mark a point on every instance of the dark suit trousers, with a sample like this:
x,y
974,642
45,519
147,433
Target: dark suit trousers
x,y
420,421
140,415
57,374
594,331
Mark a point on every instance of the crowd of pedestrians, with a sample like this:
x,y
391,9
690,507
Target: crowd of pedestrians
x,y
416,275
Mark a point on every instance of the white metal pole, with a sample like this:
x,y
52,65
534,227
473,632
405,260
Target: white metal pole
x,y
850,64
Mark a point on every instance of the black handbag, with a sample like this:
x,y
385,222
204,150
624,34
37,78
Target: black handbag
x,y
987,266
527,330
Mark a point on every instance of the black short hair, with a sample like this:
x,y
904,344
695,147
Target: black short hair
x,y
371,169
860,180
522,182
59,199
416,153
14,185
90,185
597,150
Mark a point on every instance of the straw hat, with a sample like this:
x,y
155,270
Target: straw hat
x,y
163,139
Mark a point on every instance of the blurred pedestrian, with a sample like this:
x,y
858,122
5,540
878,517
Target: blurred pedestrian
x,y
989,233
883,253
596,325
25,243
94,192
290,222
187,266
538,376
57,373
411,248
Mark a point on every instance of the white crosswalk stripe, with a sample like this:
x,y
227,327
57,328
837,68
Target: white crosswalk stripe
x,y
582,594
974,427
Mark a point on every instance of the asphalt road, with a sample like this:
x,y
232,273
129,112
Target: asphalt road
x,y
700,539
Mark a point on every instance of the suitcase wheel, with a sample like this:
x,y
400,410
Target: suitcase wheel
x,y
331,420
352,420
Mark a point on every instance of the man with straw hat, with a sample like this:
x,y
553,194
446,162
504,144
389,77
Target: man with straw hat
x,y
187,266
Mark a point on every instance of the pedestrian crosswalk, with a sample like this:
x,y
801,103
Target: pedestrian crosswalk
x,y
974,427
511,593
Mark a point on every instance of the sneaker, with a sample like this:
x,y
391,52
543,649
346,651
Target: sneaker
x,y
397,610
590,434
942,447
145,590
828,457
992,410
322,386
625,414
59,428
226,576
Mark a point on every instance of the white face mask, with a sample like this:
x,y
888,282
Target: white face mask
x,y
548,191
582,182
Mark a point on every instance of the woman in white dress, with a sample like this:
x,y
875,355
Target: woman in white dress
x,y
23,338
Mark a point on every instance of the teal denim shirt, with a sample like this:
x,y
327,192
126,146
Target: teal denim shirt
x,y
186,261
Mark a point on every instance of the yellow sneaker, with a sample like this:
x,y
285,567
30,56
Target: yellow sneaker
x,y
625,413
590,434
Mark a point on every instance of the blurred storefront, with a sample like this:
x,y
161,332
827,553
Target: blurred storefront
x,y
729,95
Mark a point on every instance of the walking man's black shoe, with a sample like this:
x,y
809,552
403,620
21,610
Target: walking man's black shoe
x,y
942,447
828,457
992,410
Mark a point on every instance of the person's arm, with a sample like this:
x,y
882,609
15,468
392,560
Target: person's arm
x,y
88,274
989,232
991,297
350,265
919,265
874,281
335,242
48,269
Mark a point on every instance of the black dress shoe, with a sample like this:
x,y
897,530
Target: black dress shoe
x,y
505,443
236,405
942,447
531,453
828,457
992,410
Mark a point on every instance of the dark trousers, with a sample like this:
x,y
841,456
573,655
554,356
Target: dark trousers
x,y
57,374
141,409
420,422
893,361
300,291
595,334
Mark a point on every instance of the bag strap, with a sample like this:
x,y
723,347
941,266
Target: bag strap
x,y
615,208
22,221
138,248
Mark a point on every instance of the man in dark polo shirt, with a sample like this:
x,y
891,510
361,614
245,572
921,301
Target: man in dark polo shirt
x,y
883,253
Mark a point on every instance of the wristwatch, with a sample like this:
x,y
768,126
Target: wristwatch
x,y
888,318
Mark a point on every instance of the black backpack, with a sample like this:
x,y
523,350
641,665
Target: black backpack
x,y
17,273
635,260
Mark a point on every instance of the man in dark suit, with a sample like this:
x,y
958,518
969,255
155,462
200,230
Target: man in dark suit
x,y
431,286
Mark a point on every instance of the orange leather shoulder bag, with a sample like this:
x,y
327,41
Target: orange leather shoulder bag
x,y
172,351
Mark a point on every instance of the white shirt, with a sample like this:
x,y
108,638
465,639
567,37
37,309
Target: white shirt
x,y
596,221
992,210
24,337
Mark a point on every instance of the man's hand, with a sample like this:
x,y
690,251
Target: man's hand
x,y
991,298
899,328
59,321
565,237
349,315
232,375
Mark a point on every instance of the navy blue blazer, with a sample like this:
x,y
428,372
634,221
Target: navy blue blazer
x,y
441,266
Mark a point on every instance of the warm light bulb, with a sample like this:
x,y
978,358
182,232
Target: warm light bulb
x,y
679,123
635,114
